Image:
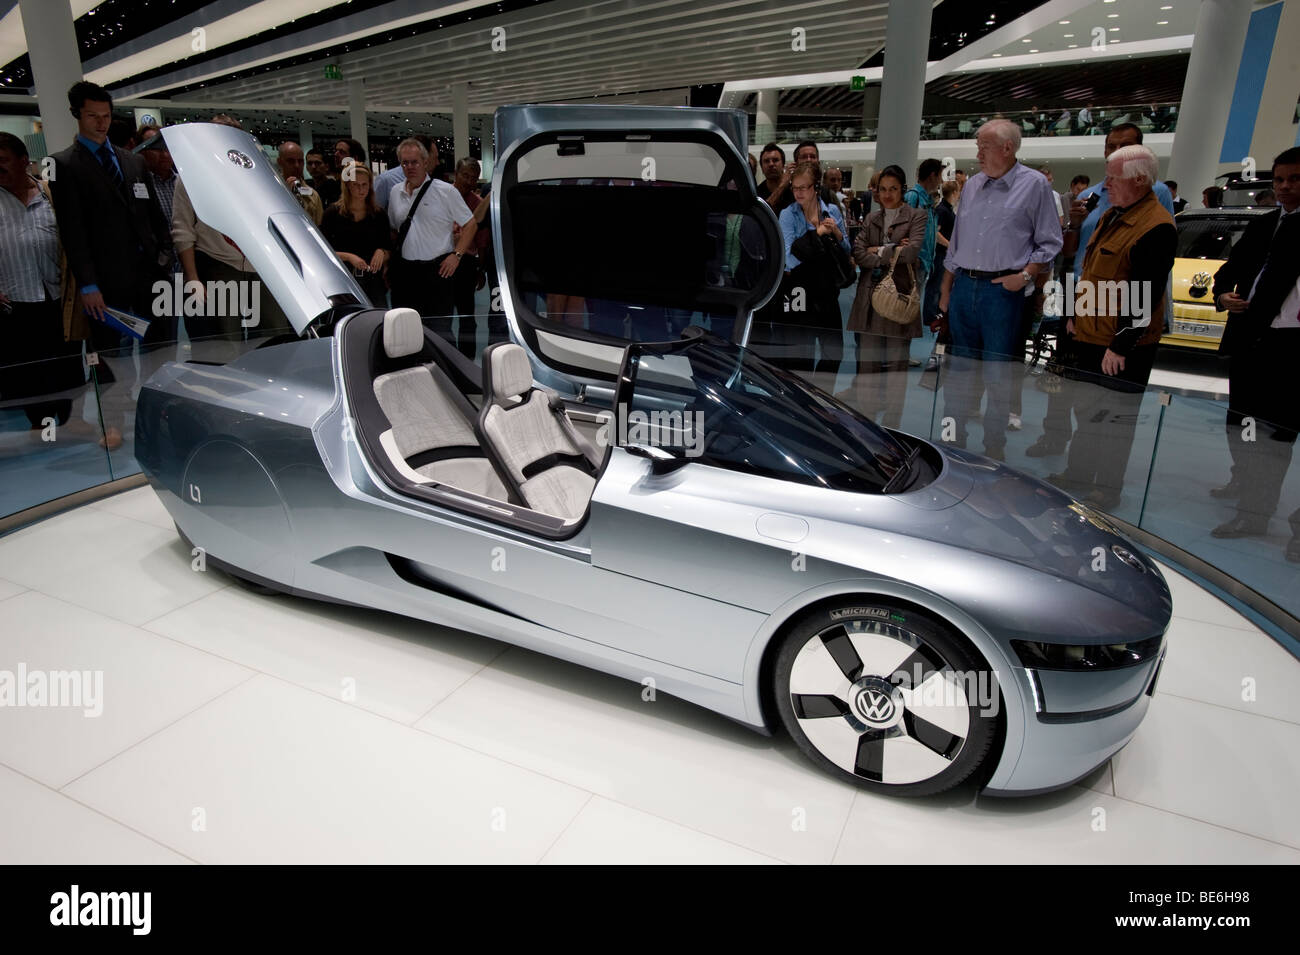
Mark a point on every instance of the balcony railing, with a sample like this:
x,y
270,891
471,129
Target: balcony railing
x,y
1149,117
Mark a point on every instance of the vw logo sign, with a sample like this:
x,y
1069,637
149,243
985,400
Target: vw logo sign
x,y
1128,557
1200,284
148,119
240,159
874,703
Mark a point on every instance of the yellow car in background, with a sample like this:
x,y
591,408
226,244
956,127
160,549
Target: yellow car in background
x,y
1205,237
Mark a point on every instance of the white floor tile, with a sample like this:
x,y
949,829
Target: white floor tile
x,y
147,682
392,665
139,504
116,566
42,827
667,757
1216,764
284,775
8,589
1221,665
1193,603
606,833
1063,827
1100,781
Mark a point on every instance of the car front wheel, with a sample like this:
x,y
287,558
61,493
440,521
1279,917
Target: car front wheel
x,y
886,697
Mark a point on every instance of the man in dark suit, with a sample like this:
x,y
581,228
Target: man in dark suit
x,y
112,226
1259,286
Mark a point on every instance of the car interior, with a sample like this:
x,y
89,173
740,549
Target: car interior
x,y
436,430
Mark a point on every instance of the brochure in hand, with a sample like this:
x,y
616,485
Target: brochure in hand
x,y
133,325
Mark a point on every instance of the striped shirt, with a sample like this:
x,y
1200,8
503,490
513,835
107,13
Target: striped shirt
x,y
29,248
165,189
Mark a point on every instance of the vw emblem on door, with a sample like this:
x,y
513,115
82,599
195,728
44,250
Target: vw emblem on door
x,y
240,159
1200,284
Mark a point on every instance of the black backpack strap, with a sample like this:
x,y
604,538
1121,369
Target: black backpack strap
x,y
410,214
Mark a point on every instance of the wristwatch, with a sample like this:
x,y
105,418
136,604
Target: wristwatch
x,y
1027,276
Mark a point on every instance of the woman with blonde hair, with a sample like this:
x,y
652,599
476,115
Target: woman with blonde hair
x,y
358,231
892,233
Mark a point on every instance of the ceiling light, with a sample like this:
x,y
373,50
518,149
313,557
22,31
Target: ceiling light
x,y
1114,29
1063,22
1068,36
1033,51
1162,23
1027,40
1112,16
1073,45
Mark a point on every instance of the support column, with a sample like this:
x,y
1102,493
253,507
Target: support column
x,y
862,175
1207,94
488,152
902,88
56,65
305,136
459,123
765,120
357,112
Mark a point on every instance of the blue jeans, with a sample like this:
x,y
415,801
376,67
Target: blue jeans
x,y
984,320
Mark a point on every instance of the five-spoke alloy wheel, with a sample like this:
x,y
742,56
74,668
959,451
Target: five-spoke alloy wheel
x,y
887,697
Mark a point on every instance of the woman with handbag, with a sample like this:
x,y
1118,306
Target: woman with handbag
x,y
817,266
886,313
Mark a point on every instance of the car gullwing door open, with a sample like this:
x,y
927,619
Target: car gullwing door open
x,y
234,189
625,223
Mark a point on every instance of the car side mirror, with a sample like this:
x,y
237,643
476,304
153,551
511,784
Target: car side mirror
x,y
662,460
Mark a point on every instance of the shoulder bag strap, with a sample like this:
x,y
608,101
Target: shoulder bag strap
x,y
410,214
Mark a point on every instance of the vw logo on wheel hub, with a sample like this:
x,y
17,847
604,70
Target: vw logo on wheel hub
x,y
876,702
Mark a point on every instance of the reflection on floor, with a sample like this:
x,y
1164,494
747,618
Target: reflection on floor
x,y
239,728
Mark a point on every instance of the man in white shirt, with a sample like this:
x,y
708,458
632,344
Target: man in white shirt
x,y
424,256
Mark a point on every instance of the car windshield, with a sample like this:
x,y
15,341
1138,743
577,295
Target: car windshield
x,y
1209,237
722,405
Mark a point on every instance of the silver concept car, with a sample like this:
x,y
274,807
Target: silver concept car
x,y
641,494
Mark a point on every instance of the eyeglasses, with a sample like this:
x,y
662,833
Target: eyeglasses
x,y
412,163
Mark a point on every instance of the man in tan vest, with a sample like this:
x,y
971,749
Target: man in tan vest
x,y
1115,325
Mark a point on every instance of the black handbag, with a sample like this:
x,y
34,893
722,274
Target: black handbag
x,y
827,256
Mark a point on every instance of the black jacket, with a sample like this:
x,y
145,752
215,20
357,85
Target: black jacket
x,y
1238,275
115,237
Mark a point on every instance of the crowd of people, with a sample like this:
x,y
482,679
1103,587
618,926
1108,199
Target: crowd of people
x,y
969,258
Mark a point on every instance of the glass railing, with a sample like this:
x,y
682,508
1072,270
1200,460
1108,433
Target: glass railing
x,y
1151,457
67,423
1149,117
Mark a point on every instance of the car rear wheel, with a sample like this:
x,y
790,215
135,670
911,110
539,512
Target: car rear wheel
x,y
887,698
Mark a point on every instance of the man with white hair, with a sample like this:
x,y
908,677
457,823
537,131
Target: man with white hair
x,y
424,212
1004,240
1116,322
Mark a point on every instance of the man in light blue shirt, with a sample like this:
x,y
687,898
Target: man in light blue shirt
x,y
1007,233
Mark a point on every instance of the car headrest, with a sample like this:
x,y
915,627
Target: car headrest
x,y
509,372
403,332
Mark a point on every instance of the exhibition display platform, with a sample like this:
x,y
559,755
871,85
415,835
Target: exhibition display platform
x,y
231,727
